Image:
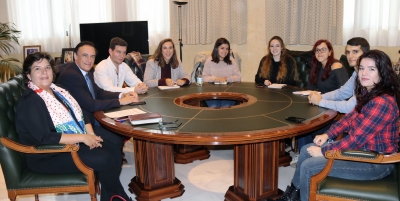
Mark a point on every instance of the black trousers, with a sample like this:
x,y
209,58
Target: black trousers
x,y
105,161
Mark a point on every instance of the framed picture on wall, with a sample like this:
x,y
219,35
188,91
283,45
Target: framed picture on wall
x,y
31,49
67,55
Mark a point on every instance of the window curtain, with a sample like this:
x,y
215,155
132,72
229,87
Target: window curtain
x,y
378,21
303,22
204,21
46,22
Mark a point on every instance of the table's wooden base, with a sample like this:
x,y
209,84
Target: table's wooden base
x,y
256,172
155,172
231,196
188,153
175,190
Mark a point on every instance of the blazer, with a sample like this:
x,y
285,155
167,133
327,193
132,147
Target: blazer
x,y
71,79
153,73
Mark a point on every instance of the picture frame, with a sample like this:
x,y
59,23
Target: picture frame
x,y
31,49
67,55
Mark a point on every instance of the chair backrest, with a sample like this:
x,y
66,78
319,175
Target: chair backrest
x,y
12,162
201,57
303,61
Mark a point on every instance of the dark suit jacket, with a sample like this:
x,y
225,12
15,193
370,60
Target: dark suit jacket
x,y
71,78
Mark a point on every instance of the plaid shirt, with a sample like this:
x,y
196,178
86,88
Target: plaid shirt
x,y
374,129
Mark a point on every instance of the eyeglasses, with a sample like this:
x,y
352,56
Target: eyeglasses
x,y
322,50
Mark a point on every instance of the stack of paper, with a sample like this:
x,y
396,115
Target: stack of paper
x,y
276,86
220,82
124,113
304,93
168,87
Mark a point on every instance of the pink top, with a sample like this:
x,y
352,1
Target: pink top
x,y
213,70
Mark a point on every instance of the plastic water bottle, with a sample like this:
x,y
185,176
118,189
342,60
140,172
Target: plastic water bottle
x,y
199,80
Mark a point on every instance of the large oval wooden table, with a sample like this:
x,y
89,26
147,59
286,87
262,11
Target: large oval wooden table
x,y
254,128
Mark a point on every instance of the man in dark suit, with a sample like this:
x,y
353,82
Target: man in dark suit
x,y
77,78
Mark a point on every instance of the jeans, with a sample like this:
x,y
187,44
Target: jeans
x,y
308,166
309,137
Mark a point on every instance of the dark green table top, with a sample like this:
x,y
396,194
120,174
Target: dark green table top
x,y
262,120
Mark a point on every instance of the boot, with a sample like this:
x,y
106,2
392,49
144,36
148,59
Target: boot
x,y
291,194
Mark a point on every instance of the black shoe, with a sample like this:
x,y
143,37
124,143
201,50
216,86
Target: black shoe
x,y
291,194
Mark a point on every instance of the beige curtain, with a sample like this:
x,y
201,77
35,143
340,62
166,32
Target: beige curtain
x,y
204,21
304,22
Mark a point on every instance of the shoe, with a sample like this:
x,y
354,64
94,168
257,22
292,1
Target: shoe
x,y
291,194
288,148
295,158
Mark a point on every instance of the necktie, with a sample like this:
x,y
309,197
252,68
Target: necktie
x,y
89,83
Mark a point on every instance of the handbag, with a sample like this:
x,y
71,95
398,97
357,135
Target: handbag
x,y
117,196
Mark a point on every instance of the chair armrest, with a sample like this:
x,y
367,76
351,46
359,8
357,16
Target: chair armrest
x,y
350,155
363,156
56,148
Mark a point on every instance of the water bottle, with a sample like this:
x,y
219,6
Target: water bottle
x,y
199,80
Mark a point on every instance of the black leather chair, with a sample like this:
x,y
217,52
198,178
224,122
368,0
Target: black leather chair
x,y
19,179
323,187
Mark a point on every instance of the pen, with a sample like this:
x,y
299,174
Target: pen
x,y
120,120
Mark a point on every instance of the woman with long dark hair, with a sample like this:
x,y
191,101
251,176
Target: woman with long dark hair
x,y
221,67
372,126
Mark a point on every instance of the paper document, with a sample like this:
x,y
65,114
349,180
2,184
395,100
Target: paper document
x,y
220,82
124,113
304,93
276,86
168,87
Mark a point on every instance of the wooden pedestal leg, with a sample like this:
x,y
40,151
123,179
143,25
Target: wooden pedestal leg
x,y
256,172
188,153
155,172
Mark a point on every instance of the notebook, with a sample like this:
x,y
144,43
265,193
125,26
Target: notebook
x,y
145,118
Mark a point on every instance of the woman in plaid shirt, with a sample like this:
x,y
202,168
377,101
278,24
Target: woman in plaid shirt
x,y
372,126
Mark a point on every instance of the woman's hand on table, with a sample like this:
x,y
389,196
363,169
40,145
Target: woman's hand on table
x,y
180,82
267,83
169,82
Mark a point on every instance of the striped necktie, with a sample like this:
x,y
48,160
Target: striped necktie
x,y
89,83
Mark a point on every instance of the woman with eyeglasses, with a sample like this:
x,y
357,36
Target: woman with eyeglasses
x,y
277,66
327,73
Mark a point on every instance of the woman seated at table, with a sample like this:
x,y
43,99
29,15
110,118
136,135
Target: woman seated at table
x,y
327,73
164,68
221,68
48,114
371,126
277,66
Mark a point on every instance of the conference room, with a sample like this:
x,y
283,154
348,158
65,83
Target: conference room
x,y
240,152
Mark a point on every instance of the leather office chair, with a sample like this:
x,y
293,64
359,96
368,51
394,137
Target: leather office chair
x,y
323,187
19,179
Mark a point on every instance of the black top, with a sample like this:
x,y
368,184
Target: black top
x,y
335,80
290,76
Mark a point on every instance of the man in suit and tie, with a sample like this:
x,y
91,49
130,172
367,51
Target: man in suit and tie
x,y
77,78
